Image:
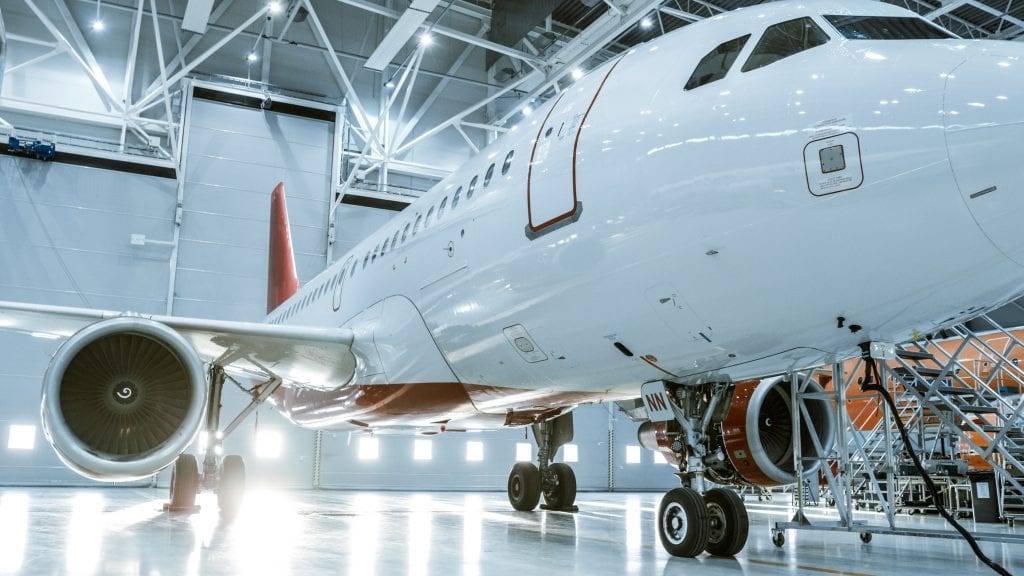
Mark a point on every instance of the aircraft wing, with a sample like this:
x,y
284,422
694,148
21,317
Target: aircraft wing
x,y
301,356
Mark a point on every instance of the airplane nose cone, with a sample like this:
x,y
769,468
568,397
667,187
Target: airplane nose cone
x,y
984,121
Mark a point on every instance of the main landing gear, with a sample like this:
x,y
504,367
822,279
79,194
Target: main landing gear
x,y
693,519
225,476
554,480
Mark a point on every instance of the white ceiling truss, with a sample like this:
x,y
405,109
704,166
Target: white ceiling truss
x,y
143,108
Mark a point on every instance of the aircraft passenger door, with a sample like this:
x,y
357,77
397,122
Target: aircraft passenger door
x,y
551,187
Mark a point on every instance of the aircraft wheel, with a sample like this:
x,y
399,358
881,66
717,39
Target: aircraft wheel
x,y
683,522
524,486
231,489
560,491
865,537
778,538
728,524
184,483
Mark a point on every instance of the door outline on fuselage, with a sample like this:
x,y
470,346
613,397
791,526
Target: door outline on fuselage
x,y
575,211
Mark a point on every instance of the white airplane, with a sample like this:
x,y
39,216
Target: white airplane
x,y
760,192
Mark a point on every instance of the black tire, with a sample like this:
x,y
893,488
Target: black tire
x,y
728,524
865,537
778,538
524,486
184,482
683,522
231,490
561,490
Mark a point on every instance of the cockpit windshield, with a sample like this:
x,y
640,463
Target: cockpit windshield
x,y
886,28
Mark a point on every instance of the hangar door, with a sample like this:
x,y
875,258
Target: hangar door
x,y
235,154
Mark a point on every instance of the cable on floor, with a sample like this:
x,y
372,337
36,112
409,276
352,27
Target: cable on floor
x,y
873,383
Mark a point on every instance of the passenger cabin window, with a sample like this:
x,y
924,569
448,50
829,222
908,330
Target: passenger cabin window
x,y
384,248
416,226
366,259
487,176
784,40
430,216
405,233
394,241
472,187
455,199
440,209
375,250
715,64
508,162
887,28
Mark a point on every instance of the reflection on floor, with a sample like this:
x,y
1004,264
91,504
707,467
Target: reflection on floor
x,y
123,531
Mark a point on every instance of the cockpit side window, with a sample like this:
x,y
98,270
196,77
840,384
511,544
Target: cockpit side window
x,y
715,64
783,40
887,28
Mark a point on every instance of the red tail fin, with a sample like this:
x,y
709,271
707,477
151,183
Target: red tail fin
x,y
282,281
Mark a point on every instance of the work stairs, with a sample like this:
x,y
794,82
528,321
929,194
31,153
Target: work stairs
x,y
871,449
960,392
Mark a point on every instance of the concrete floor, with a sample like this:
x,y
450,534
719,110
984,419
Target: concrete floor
x,y
123,531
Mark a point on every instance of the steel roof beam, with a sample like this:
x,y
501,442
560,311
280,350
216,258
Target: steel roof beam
x,y
446,31
400,33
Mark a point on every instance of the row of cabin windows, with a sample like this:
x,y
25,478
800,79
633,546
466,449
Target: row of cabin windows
x,y
794,36
434,214
391,243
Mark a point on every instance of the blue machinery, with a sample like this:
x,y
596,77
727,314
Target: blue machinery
x,y
31,148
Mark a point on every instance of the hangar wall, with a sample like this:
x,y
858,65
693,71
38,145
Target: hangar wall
x,y
64,239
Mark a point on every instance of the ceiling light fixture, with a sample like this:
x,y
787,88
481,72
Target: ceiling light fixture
x,y
577,73
252,57
425,39
275,7
527,110
97,23
646,23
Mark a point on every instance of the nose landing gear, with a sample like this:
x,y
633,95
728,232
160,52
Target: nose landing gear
x,y
688,523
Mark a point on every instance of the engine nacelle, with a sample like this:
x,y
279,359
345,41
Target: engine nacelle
x,y
751,442
122,398
756,434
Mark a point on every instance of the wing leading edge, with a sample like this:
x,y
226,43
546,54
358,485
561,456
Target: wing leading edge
x,y
301,356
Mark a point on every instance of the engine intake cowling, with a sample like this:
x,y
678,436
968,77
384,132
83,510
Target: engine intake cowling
x,y
757,437
122,398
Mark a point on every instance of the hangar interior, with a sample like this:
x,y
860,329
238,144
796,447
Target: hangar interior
x,y
172,120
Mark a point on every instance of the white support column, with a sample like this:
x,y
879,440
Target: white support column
x,y
186,103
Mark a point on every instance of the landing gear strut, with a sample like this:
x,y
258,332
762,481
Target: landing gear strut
x,y
556,481
225,476
689,523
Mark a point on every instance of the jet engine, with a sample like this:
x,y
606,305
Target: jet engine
x,y
750,439
122,398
